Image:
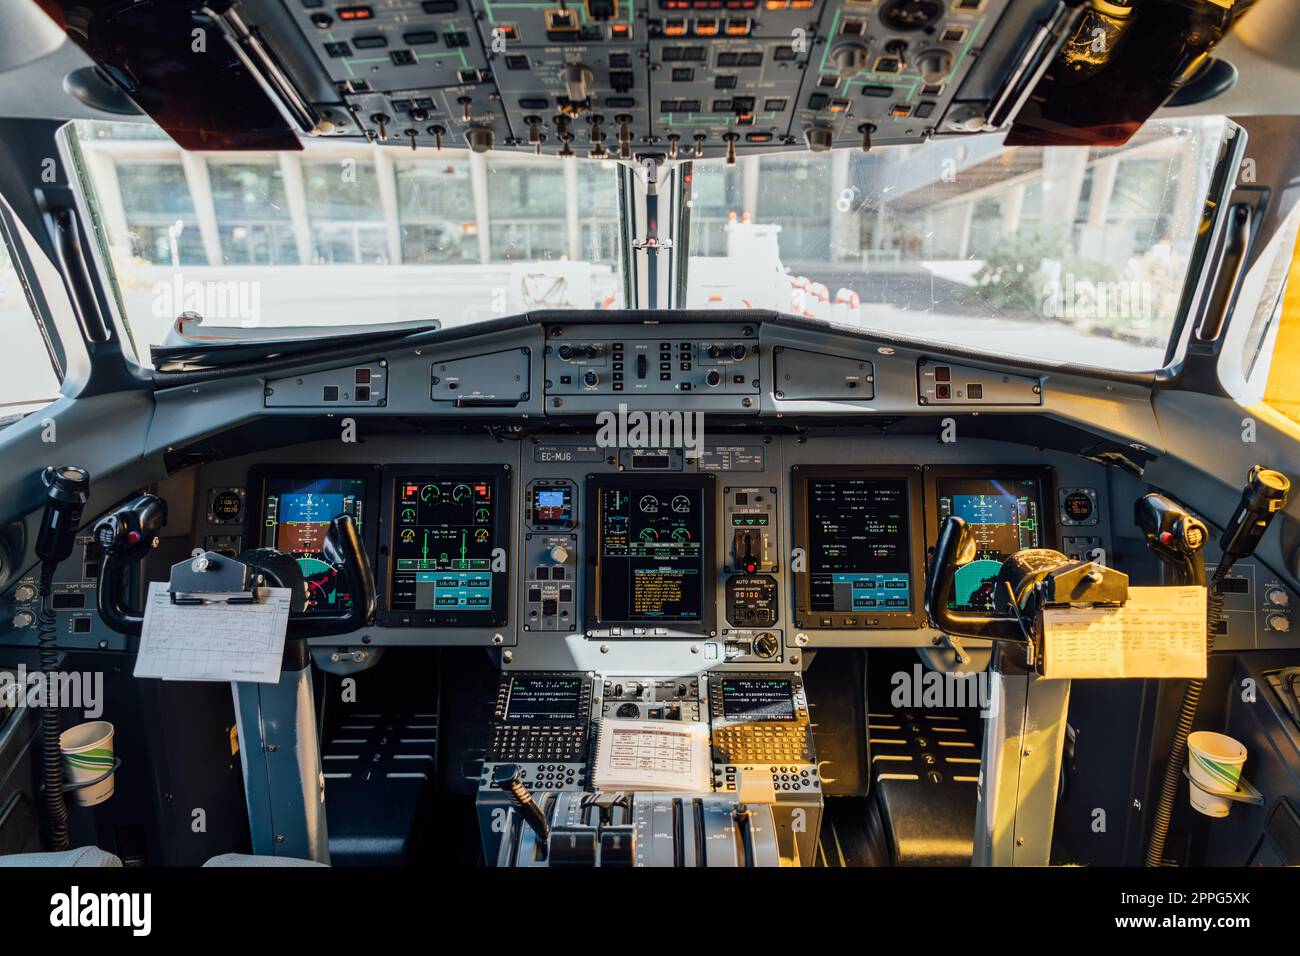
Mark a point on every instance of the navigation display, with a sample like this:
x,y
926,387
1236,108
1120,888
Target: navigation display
x,y
296,514
653,551
860,534
446,550
1005,515
544,700
745,698
859,552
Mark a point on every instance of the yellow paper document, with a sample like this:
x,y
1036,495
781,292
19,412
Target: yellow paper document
x,y
1160,632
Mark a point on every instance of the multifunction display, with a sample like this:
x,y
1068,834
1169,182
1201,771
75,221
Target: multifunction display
x,y
296,514
550,504
544,700
447,547
1004,514
653,551
745,698
859,535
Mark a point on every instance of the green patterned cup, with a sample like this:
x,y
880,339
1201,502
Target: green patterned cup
x,y
88,754
1214,762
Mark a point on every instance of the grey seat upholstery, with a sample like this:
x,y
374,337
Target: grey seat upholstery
x,y
85,856
248,859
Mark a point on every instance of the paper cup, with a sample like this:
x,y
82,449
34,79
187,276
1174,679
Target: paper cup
x,y
1214,762
87,754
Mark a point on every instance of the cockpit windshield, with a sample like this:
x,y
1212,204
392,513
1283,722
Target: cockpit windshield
x,y
1064,254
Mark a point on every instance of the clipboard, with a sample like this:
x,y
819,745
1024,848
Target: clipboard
x,y
213,621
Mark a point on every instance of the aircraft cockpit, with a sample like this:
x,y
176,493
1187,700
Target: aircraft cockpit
x,y
816,434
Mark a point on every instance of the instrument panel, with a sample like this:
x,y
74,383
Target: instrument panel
x,y
810,504
620,78
566,553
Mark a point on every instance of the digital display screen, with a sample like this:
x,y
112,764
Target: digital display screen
x,y
754,698
551,505
544,700
296,514
443,538
1005,516
859,545
650,552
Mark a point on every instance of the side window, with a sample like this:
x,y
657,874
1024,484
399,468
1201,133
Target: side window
x,y
1282,388
27,376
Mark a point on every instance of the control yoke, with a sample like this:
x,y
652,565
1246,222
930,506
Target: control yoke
x,y
1028,580
956,548
128,534
342,546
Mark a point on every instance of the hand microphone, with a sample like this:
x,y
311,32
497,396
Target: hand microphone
x,y
67,491
1263,497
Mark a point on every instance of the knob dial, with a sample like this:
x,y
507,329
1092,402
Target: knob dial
x,y
23,619
559,554
738,352
24,593
766,645
713,379
590,379
1275,596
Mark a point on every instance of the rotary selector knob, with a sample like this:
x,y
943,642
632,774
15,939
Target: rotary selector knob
x,y
849,59
559,554
590,379
1276,596
713,379
766,645
934,65
23,619
819,138
738,352
24,593
1275,622
480,138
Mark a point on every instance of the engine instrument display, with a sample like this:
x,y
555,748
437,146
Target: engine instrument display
x,y
447,537
859,532
295,515
1006,514
653,554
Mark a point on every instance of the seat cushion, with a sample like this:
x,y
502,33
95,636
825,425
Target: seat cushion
x,y
248,859
91,856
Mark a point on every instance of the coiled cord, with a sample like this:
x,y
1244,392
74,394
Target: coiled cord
x,y
1186,715
56,807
